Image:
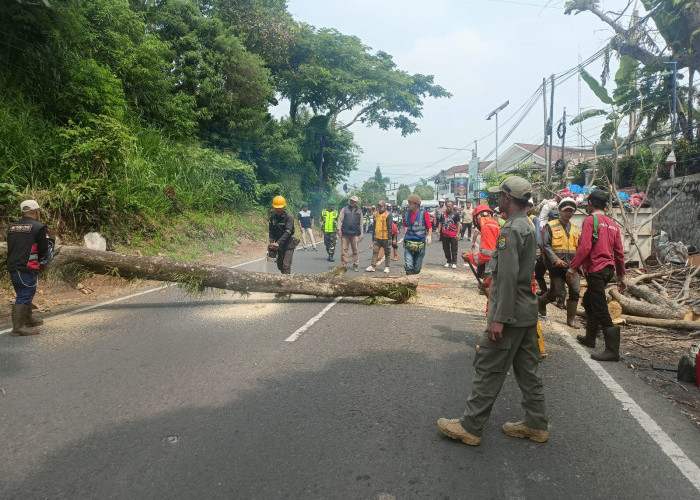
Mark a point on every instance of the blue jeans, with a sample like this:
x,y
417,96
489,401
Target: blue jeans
x,y
25,286
413,260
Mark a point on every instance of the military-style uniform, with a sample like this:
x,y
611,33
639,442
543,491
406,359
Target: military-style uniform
x,y
513,303
281,229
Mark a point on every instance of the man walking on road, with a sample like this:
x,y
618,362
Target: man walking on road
x,y
601,255
559,244
27,247
448,228
418,233
351,232
381,237
467,218
306,226
511,336
281,230
329,228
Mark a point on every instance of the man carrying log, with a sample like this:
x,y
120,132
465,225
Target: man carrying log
x,y
601,255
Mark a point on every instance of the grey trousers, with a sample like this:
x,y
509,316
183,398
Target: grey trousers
x,y
518,348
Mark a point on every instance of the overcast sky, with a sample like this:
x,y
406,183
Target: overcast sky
x,y
482,51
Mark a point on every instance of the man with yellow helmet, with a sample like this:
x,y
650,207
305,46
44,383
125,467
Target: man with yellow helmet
x,y
281,229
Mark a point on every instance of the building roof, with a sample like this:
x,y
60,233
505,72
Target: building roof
x,y
521,153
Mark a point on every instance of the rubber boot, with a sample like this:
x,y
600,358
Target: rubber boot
x,y
19,318
30,321
542,305
571,306
611,335
588,340
396,254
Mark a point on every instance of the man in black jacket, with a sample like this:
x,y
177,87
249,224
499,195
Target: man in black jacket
x,y
280,231
27,246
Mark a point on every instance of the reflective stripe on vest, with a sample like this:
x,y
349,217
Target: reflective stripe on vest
x,y
381,231
415,231
561,243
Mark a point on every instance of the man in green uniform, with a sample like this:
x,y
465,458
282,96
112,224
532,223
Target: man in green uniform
x,y
329,227
511,336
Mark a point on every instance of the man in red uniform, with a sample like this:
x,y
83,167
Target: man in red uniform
x,y
601,255
489,229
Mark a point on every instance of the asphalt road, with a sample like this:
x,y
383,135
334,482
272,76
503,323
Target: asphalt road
x,y
165,395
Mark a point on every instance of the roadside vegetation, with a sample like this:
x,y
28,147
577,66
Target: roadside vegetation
x,y
150,121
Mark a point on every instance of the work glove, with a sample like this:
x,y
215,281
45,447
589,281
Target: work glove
x,y
429,240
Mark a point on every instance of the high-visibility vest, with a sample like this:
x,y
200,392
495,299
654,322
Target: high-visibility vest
x,y
381,231
417,230
561,243
330,221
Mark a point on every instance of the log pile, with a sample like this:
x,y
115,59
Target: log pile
x,y
667,297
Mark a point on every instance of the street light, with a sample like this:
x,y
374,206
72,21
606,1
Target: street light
x,y
488,117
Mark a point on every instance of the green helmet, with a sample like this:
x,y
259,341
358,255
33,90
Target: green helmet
x,y
331,201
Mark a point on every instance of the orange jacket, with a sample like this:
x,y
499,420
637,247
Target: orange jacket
x,y
489,237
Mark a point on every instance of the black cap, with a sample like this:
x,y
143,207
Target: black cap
x,y
599,194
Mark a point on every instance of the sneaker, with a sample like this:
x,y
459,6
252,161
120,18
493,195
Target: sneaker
x,y
329,259
446,265
315,249
370,269
356,268
454,266
387,270
520,430
452,428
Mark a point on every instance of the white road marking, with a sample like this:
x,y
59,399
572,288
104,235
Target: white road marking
x,y
671,449
119,299
313,320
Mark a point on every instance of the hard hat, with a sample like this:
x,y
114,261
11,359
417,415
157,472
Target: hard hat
x,y
331,201
567,202
279,202
482,210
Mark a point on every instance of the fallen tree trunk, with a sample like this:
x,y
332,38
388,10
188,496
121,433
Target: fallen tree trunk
x,y
194,275
674,324
645,293
644,309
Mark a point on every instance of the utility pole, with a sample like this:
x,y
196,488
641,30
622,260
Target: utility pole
x,y
675,100
488,117
563,139
551,127
544,102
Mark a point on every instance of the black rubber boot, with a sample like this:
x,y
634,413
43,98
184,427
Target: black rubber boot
x,y
542,304
571,306
19,318
30,321
588,340
611,335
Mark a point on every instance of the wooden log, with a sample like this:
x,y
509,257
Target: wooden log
x,y
331,284
645,293
644,309
674,324
615,309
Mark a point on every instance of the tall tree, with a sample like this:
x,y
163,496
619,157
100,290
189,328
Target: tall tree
x,y
335,74
676,28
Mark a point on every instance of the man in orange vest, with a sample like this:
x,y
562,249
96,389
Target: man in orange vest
x,y
382,237
489,229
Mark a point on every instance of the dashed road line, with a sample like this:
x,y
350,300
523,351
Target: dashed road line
x,y
294,336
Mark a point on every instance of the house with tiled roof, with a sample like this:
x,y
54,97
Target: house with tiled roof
x,y
520,154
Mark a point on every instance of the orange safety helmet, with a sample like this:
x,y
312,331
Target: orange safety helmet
x,y
481,210
279,202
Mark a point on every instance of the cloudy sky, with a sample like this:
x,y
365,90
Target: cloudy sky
x,y
482,51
